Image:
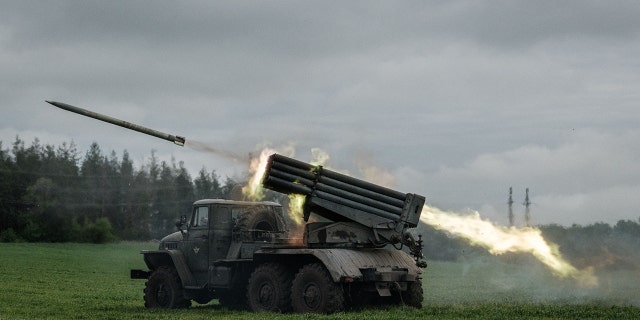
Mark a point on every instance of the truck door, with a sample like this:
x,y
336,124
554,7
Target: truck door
x,y
196,244
220,239
219,273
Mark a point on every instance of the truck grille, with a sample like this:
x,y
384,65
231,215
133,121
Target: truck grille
x,y
170,246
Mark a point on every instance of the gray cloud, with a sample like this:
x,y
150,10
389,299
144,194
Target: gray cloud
x,y
459,99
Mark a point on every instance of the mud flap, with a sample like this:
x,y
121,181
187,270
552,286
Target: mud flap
x,y
383,289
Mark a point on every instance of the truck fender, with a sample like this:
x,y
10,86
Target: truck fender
x,y
346,263
175,258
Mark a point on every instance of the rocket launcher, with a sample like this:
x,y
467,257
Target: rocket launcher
x,y
361,213
339,197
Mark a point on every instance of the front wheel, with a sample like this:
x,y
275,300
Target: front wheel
x,y
313,291
164,290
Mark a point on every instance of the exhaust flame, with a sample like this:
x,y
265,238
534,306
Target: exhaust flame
x,y
498,240
254,191
296,201
257,166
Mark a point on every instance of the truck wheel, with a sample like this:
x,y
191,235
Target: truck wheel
x,y
258,221
413,296
313,291
164,290
269,288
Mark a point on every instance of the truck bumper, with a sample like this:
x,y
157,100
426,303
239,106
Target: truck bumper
x,y
140,274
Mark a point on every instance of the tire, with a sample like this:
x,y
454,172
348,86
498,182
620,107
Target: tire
x,y
164,290
413,296
269,288
313,291
257,222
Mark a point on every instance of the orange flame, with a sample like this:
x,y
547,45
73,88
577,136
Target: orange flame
x,y
254,190
498,240
257,166
296,201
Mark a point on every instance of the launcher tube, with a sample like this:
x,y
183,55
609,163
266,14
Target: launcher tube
x,y
294,170
364,184
359,199
356,205
292,178
338,197
285,186
360,191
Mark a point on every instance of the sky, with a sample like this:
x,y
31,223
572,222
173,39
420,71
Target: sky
x,y
453,100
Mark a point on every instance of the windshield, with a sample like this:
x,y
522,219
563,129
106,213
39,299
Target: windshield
x,y
200,218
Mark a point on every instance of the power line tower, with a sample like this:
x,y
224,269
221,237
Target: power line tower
x,y
510,202
527,204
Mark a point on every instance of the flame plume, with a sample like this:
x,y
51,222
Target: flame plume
x,y
498,240
257,166
254,191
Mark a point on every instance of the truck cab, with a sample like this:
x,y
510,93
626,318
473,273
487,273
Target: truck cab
x,y
212,248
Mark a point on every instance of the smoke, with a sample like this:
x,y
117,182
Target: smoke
x,y
519,269
319,157
373,173
203,147
518,278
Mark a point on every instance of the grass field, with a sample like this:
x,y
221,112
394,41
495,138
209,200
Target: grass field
x,y
84,281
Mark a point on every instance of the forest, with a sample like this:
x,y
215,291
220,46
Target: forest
x,y
56,194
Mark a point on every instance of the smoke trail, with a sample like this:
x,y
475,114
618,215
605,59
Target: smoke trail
x,y
201,146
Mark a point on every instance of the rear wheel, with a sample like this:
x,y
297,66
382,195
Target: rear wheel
x,y
269,288
313,291
413,296
164,290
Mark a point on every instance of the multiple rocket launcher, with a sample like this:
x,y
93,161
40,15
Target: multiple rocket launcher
x,y
339,197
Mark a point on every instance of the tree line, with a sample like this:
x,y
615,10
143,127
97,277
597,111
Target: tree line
x,y
54,194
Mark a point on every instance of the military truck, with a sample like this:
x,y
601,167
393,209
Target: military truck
x,y
240,252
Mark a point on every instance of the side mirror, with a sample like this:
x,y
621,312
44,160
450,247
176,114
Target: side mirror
x,y
181,223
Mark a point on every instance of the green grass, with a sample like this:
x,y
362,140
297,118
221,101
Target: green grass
x,y
84,281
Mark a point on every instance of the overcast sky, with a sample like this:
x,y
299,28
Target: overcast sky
x,y
457,100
